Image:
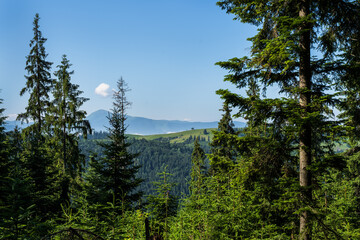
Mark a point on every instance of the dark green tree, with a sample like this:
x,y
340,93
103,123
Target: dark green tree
x,y
4,154
67,122
38,81
17,217
4,170
113,177
340,199
223,153
37,163
15,208
35,153
198,169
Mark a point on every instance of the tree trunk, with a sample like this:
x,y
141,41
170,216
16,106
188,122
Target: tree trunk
x,y
38,107
63,118
147,229
305,129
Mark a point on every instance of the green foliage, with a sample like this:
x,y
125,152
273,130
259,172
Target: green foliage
x,y
302,118
98,221
66,121
198,170
39,168
17,208
4,154
162,205
253,190
339,198
223,152
155,154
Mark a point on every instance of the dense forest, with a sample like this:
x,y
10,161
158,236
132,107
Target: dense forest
x,y
156,154
280,177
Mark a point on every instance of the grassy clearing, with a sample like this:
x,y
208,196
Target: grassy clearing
x,y
206,135
180,137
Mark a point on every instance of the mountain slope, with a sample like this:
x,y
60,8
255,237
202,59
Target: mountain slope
x,y
10,125
145,126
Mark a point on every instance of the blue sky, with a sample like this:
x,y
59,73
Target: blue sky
x,y
164,49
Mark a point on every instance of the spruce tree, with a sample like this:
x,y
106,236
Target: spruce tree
x,y
223,153
162,205
35,149
67,122
38,81
197,170
281,55
4,153
4,159
192,211
16,209
113,177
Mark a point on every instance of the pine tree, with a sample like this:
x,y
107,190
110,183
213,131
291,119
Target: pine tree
x,y
113,177
39,82
4,154
281,55
197,170
4,162
67,122
223,153
192,211
162,205
16,210
35,149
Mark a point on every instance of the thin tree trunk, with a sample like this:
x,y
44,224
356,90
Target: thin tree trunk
x,y
38,101
305,129
147,229
64,136
66,169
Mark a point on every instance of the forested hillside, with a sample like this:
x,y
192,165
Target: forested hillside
x,y
155,153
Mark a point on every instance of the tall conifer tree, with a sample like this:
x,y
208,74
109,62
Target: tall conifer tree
x,y
197,170
14,186
3,150
67,122
113,177
35,152
39,82
4,157
223,152
281,55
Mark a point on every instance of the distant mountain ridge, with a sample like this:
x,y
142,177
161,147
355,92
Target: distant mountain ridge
x,y
139,125
10,125
146,126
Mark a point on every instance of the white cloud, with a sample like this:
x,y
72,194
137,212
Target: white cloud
x,y
103,90
11,117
